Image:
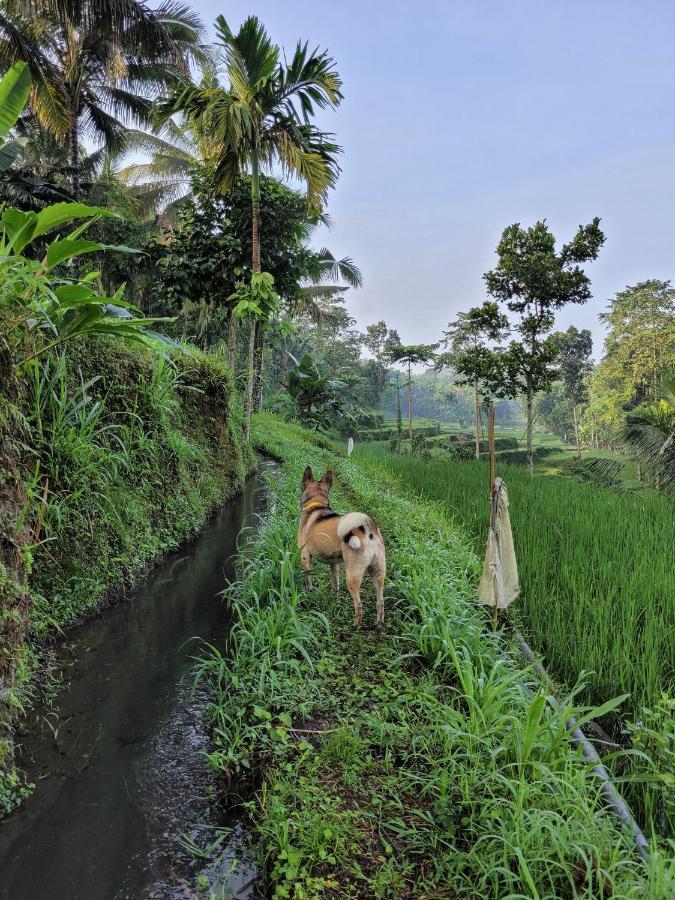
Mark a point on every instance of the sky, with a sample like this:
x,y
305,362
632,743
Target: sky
x,y
462,117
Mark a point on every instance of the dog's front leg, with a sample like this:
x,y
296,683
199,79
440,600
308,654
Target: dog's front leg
x,y
306,563
335,577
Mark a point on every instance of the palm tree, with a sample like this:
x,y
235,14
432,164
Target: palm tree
x,y
649,435
264,117
95,64
409,356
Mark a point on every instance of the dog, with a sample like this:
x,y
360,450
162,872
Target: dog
x,y
353,539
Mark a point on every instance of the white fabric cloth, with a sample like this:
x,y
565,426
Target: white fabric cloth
x,y
350,446
499,582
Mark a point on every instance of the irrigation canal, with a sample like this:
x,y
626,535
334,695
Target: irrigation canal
x,y
118,758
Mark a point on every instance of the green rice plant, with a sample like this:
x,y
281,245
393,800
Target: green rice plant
x,y
596,575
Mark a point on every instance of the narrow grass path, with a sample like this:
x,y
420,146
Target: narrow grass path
x,y
415,761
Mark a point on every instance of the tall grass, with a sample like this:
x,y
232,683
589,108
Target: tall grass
x,y
433,766
598,589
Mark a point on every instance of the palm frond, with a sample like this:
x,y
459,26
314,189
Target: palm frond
x,y
100,125
311,81
318,171
324,267
251,57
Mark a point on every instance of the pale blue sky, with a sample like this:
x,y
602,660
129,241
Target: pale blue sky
x,y
462,117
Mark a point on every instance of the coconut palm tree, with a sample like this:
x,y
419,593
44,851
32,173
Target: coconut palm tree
x,y
649,436
96,65
263,117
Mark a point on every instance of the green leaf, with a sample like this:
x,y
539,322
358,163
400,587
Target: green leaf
x,y
61,213
19,227
14,89
70,295
10,151
59,251
598,711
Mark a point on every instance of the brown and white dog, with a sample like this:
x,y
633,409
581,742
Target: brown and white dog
x,y
353,539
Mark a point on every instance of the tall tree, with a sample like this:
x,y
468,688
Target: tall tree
x,y
639,352
534,281
574,367
264,116
409,356
467,338
375,341
95,65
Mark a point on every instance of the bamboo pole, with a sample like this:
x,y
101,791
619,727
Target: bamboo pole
x,y
492,475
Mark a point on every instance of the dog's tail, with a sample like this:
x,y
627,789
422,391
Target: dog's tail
x,y
356,529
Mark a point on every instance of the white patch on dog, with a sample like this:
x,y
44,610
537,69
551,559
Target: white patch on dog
x,y
354,542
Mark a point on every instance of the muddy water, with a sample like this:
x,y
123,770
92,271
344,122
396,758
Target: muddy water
x,y
118,759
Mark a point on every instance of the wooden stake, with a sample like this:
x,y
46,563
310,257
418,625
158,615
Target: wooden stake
x,y
492,476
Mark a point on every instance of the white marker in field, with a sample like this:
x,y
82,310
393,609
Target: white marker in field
x,y
350,446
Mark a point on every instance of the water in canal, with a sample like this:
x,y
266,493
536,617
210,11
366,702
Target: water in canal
x,y
118,759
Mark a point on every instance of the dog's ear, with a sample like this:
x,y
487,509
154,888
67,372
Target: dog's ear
x,y
328,478
308,476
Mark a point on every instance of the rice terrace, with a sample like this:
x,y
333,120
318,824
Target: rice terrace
x,y
337,450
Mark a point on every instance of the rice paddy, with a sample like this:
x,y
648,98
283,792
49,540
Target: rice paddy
x,y
597,572
597,568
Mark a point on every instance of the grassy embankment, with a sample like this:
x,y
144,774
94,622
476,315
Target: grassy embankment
x,y
111,456
418,760
597,581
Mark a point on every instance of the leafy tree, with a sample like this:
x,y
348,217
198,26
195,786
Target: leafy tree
x,y
210,252
375,340
554,410
409,356
321,401
467,339
574,367
639,350
649,435
262,116
95,64
533,281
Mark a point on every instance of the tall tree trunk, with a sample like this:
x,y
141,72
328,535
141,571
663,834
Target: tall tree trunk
x,y
257,368
410,403
231,338
399,425
475,387
255,268
576,429
530,458
250,381
74,158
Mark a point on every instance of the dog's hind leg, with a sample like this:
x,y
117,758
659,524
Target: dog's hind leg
x,y
377,577
354,588
335,577
306,563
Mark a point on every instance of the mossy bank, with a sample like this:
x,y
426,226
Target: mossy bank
x,y
110,456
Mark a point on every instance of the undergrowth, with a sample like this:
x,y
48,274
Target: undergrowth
x,y
124,454
419,760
